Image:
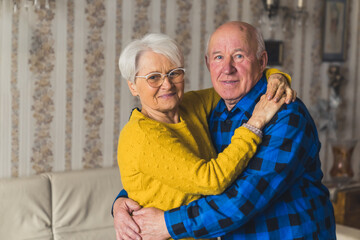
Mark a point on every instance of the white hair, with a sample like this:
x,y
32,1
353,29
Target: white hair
x,y
155,42
260,43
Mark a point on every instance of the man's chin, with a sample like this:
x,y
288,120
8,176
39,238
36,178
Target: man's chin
x,y
229,94
231,100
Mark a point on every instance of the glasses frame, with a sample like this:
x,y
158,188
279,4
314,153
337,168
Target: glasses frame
x,y
162,76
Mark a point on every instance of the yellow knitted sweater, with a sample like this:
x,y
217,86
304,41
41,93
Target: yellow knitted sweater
x,y
168,165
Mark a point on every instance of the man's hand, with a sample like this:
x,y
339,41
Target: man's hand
x,y
125,226
277,86
152,224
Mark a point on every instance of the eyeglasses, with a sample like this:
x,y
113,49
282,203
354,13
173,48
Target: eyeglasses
x,y
156,79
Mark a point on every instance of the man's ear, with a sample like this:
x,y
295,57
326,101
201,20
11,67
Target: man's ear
x,y
263,60
132,88
207,63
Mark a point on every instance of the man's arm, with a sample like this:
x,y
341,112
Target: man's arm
x,y
154,227
280,161
122,194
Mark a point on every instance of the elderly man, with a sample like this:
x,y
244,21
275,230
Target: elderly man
x,y
280,194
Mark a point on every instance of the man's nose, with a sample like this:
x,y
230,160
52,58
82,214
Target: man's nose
x,y
228,67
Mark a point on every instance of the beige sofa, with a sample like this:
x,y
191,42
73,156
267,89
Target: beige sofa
x,y
69,205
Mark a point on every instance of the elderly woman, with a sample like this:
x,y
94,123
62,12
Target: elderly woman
x,y
165,154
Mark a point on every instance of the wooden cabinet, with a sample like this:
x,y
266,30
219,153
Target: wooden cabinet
x,y
346,204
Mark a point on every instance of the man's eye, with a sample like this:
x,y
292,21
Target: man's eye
x,y
218,57
239,56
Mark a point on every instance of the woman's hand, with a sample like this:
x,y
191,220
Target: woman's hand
x,y
279,85
264,111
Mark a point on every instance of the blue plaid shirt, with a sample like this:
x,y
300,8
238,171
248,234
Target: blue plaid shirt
x,y
278,196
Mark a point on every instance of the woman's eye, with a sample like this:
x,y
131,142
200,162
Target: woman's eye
x,y
175,73
154,77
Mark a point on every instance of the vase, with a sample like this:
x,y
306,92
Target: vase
x,y
341,171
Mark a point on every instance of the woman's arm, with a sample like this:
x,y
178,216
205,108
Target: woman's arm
x,y
158,153
278,84
165,157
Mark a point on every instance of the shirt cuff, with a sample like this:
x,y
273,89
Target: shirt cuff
x,y
174,223
123,194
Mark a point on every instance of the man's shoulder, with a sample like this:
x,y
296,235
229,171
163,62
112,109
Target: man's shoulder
x,y
297,107
294,114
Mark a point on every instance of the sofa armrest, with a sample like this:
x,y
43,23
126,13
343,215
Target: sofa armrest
x,y
82,202
25,208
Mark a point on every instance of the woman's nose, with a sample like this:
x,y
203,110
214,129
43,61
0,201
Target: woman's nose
x,y
166,83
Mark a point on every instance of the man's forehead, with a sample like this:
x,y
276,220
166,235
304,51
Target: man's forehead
x,y
233,50
230,43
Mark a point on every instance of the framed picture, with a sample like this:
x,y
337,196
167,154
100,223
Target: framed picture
x,y
275,52
335,30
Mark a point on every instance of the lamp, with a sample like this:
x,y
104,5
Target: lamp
x,y
271,6
288,15
37,4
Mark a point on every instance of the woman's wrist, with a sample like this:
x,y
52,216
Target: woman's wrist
x,y
257,122
254,129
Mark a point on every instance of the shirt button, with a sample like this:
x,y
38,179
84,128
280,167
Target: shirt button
x,y
228,121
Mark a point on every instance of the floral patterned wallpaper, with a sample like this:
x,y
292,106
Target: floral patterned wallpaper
x,y
15,105
94,65
41,65
69,82
63,103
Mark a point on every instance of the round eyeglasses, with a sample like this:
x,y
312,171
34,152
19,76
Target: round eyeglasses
x,y
156,79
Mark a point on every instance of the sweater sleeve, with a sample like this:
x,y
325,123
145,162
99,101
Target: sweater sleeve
x,y
164,157
270,71
208,98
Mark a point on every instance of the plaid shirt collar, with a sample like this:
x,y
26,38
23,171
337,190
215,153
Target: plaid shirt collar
x,y
247,103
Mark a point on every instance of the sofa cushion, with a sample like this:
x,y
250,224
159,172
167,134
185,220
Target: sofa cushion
x,y
95,234
82,203
25,208
347,233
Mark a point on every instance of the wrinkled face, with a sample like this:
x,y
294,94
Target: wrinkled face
x,y
232,62
163,99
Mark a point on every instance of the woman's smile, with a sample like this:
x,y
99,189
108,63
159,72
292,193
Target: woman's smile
x,y
167,95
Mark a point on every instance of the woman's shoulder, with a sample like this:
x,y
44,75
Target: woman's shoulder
x,y
201,100
199,97
138,126
199,94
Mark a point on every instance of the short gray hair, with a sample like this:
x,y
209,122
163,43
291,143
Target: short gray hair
x,y
260,43
155,42
259,39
